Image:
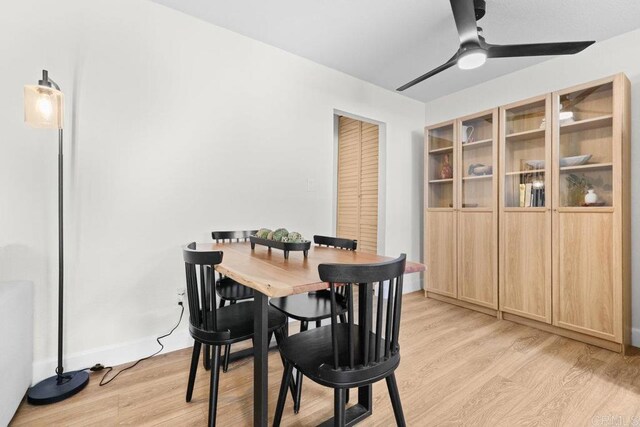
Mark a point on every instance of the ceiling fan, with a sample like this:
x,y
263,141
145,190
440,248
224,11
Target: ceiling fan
x,y
474,50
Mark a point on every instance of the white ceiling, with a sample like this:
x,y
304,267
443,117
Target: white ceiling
x,y
390,42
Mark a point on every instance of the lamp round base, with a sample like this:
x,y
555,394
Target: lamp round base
x,y
53,389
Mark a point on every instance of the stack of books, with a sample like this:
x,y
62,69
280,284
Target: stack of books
x,y
532,195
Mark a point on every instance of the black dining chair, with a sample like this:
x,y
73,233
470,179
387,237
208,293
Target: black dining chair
x,y
216,326
314,306
228,289
349,355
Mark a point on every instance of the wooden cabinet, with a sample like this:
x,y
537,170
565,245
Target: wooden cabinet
x,y
519,238
477,263
591,257
461,209
525,208
441,251
440,215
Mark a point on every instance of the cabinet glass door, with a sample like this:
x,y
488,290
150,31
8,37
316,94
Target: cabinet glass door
x,y
476,136
525,216
584,152
440,158
526,156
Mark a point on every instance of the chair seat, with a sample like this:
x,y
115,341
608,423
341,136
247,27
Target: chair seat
x,y
309,306
230,290
238,319
312,353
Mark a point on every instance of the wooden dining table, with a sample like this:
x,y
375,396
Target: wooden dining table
x,y
269,274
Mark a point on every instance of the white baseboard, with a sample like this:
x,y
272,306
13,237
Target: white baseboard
x,y
635,337
114,354
133,350
412,283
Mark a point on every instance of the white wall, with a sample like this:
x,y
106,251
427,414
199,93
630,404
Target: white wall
x,y
174,128
619,54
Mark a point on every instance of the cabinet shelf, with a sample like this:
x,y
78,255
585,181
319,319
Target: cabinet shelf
x,y
473,177
440,181
587,166
525,172
477,144
441,150
587,124
527,134
529,209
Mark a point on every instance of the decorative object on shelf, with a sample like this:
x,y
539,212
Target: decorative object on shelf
x,y
535,164
564,117
478,169
579,185
44,108
446,170
467,134
564,161
591,198
575,160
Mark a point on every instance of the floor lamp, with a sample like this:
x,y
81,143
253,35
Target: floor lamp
x,y
44,108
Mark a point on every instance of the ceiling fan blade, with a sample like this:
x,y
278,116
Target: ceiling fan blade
x,y
465,17
431,73
537,49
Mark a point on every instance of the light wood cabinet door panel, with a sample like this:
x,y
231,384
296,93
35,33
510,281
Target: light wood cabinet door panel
x,y
585,297
477,272
525,285
440,253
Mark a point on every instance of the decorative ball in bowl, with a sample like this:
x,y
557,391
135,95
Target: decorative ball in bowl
x,y
281,235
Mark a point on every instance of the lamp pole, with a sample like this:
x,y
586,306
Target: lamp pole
x,y
60,368
63,384
46,81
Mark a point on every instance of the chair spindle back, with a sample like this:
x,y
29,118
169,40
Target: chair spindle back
x,y
335,242
375,339
199,268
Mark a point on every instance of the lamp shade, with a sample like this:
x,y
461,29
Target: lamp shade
x,y
43,107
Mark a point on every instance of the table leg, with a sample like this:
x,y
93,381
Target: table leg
x,y
260,359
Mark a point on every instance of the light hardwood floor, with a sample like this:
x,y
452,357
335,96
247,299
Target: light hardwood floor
x,y
458,367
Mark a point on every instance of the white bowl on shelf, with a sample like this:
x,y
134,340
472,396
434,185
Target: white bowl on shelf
x,y
564,161
574,160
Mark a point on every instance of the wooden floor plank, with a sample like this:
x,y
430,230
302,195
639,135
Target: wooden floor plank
x,y
458,367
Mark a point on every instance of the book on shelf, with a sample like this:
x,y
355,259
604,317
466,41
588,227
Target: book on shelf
x,y
531,188
527,195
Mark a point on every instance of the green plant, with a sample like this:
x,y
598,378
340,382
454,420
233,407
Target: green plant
x,y
577,186
579,183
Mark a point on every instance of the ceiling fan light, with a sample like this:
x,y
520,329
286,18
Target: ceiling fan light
x,y
472,59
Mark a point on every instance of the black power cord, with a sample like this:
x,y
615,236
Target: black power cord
x,y
98,367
